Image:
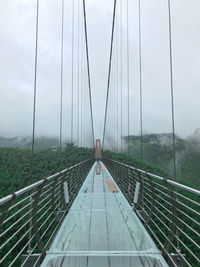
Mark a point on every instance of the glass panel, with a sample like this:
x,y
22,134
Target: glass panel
x,y
101,229
105,261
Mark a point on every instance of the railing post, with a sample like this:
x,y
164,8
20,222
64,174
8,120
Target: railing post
x,y
129,184
152,199
34,218
4,209
53,194
30,225
118,173
173,230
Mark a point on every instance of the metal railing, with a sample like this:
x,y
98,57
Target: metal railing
x,y
29,218
169,210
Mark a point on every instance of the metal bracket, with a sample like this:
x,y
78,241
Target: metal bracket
x,y
137,192
140,202
62,193
32,259
178,260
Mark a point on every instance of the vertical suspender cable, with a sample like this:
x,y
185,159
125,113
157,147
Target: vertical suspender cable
x,y
117,87
82,82
140,80
128,78
172,104
113,102
83,66
109,72
34,108
61,78
121,63
78,73
172,87
72,96
85,103
88,70
35,85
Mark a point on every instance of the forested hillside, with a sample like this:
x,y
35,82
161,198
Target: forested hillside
x,y
16,171
157,151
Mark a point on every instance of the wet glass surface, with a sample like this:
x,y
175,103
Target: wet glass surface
x,y
101,229
105,261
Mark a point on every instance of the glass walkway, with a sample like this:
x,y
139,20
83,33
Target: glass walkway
x,y
102,230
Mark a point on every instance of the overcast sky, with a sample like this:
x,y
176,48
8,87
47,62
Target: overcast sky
x,y
17,44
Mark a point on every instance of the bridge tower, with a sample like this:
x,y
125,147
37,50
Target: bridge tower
x,y
98,154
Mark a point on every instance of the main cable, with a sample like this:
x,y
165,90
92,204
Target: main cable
x,y
88,70
109,72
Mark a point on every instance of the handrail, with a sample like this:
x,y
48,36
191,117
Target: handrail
x,y
169,210
29,213
182,186
32,186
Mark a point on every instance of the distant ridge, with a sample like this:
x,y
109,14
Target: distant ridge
x,y
42,142
196,135
157,150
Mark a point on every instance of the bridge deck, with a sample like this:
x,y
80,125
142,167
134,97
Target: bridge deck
x,y
102,230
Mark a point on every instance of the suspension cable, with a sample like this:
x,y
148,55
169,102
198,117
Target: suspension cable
x,y
114,97
88,70
82,81
35,85
34,101
117,87
78,73
85,102
121,70
61,77
109,72
140,70
128,75
72,77
172,87
172,104
113,103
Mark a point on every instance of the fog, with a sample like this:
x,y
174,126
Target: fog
x,y
17,43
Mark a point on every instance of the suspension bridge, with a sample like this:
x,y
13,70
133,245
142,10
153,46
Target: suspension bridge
x,y
101,212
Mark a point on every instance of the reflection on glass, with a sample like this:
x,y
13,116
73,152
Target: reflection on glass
x,y
101,229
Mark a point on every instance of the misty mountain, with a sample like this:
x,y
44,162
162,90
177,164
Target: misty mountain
x,y
26,142
158,151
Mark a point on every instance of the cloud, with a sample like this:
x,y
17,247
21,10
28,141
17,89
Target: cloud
x,y
17,39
